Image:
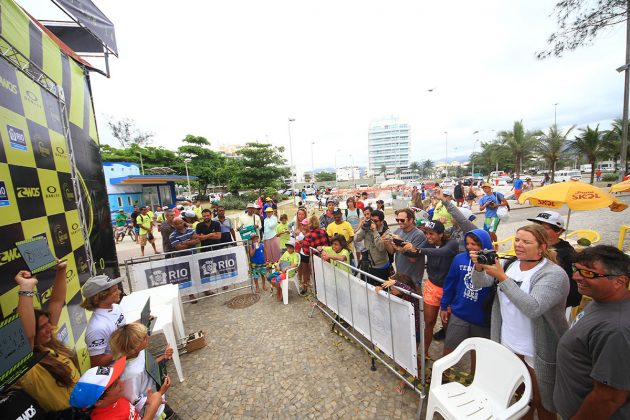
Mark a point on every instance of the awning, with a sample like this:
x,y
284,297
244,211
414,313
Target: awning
x,y
149,179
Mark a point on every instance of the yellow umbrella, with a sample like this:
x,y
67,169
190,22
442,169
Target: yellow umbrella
x,y
620,187
576,195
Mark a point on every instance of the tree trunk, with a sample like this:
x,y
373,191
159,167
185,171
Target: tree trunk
x,y
592,171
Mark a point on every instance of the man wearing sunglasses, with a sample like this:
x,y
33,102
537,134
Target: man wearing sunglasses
x,y
407,263
593,363
553,223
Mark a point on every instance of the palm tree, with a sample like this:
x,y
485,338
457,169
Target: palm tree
x,y
552,144
427,166
612,141
520,142
589,145
414,167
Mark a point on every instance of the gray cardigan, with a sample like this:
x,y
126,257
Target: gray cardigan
x,y
545,305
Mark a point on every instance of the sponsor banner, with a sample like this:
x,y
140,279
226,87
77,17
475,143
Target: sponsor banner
x,y
388,322
194,273
4,195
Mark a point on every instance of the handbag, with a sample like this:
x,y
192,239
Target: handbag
x,y
246,232
503,213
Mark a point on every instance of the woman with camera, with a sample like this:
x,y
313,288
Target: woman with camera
x,y
440,250
528,315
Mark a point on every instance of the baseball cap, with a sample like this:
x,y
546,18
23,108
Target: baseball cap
x,y
189,213
331,201
94,382
121,209
268,199
252,206
304,222
486,184
447,191
550,217
434,225
290,242
269,209
97,284
336,210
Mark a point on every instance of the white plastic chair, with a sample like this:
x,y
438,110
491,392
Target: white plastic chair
x,y
498,373
284,284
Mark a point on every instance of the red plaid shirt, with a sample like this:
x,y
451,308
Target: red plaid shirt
x,y
314,238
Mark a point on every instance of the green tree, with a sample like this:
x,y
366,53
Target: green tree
x,y
204,162
427,166
551,145
126,133
152,157
589,145
415,167
612,142
520,143
324,176
262,165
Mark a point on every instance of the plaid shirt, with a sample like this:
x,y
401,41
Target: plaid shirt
x,y
314,238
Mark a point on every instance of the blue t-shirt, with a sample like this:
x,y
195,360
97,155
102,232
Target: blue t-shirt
x,y
491,211
518,184
259,254
176,238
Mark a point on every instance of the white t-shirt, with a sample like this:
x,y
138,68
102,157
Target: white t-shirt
x,y
136,380
517,332
101,326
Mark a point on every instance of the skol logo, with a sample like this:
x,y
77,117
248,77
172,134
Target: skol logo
x,y
28,192
43,149
68,192
8,85
585,195
9,255
546,203
60,235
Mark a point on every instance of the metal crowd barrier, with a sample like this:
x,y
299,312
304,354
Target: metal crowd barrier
x,y
366,340
197,252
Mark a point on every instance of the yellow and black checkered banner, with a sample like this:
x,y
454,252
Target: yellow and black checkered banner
x,y
37,195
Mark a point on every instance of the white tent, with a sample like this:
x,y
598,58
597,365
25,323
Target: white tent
x,y
392,183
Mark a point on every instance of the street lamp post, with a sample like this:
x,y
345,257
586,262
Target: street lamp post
x,y
352,170
472,172
312,163
186,162
291,161
141,164
446,152
555,109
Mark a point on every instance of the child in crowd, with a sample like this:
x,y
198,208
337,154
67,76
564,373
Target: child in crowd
x,y
130,342
257,257
337,251
290,259
100,391
282,232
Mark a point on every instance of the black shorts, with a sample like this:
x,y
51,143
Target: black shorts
x,y
305,258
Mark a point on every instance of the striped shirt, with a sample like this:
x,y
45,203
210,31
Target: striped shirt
x,y
177,238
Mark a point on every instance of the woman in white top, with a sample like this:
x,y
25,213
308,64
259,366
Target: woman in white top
x,y
528,310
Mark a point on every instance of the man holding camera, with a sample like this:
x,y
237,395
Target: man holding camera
x,y
406,263
375,257
490,202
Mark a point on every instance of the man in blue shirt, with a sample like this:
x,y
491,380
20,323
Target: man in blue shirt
x,y
182,237
518,186
490,202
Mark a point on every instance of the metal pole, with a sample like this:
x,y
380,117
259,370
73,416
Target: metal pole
x,y
446,152
312,163
186,162
291,159
555,109
141,164
626,93
352,170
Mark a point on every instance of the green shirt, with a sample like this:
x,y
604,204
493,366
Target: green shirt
x,y
283,230
145,223
344,253
121,219
291,258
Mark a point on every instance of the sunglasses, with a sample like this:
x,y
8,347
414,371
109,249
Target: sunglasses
x,y
588,274
401,220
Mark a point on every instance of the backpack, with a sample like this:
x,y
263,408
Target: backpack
x,y
358,213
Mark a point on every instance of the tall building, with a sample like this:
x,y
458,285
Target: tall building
x,y
388,144
348,173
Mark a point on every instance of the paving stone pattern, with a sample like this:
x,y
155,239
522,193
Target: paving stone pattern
x,y
272,361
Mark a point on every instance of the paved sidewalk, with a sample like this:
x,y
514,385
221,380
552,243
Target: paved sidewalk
x,y
272,361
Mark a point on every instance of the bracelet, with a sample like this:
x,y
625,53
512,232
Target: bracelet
x,y
27,293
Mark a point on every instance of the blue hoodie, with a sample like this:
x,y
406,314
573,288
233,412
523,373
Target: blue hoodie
x,y
466,301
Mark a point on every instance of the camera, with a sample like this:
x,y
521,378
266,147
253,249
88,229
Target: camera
x,y
367,225
398,242
487,257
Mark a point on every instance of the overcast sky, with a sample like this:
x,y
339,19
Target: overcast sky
x,y
235,71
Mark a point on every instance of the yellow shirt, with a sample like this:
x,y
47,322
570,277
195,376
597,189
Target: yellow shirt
x,y
344,228
145,222
198,211
40,384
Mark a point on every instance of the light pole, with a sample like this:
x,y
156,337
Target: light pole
x,y
446,152
555,109
472,158
336,183
291,160
186,162
626,93
352,170
312,163
141,164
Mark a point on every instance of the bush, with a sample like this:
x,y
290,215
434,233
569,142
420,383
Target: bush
x,y
232,202
610,177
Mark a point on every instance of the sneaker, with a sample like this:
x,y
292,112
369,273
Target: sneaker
x,y
302,292
440,335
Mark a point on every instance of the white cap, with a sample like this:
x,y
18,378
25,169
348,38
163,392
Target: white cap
x,y
468,214
447,191
550,217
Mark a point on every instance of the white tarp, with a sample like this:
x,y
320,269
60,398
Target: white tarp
x,y
387,321
194,273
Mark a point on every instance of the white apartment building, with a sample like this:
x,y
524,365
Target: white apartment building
x,y
388,144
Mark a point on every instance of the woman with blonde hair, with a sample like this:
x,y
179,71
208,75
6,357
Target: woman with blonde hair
x,y
315,237
528,315
131,341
